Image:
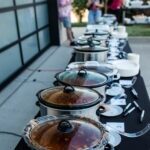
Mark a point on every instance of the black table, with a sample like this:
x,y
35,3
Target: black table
x,y
132,123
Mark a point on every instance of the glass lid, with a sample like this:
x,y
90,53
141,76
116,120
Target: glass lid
x,y
90,48
69,133
69,97
96,32
82,78
85,42
105,68
100,68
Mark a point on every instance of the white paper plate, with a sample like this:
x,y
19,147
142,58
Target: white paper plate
x,y
114,91
111,110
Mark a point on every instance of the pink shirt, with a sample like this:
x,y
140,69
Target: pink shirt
x,y
116,4
64,8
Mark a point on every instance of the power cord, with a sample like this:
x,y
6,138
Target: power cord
x,y
11,133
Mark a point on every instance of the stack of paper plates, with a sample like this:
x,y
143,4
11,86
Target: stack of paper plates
x,y
125,67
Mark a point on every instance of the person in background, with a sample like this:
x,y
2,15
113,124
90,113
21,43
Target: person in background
x,y
64,9
95,13
114,7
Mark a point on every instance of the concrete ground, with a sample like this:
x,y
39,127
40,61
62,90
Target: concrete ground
x,y
141,45
17,100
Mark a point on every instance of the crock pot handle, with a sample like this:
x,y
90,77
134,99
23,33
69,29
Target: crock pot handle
x,y
68,89
82,72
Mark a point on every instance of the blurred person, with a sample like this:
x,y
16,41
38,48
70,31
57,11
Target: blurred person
x,y
64,9
95,13
114,7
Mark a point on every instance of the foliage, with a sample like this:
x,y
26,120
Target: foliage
x,y
79,7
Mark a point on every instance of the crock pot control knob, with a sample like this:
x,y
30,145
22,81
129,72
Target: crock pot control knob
x,y
65,126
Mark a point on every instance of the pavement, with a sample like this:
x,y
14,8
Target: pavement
x,y
141,45
17,100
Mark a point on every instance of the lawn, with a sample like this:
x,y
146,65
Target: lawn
x,y
83,24
133,30
138,30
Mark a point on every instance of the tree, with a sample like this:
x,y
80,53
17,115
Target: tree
x,y
79,7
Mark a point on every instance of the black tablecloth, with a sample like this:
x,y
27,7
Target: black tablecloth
x,y
132,123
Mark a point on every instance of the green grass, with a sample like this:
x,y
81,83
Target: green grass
x,y
83,24
138,30
133,30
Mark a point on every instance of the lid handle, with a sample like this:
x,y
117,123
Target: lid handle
x,y
90,42
82,72
65,126
69,89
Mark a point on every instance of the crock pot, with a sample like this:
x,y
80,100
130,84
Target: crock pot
x,y
71,132
84,78
69,100
108,69
65,133
91,53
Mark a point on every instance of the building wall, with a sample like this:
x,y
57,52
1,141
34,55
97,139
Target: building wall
x,y
24,33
